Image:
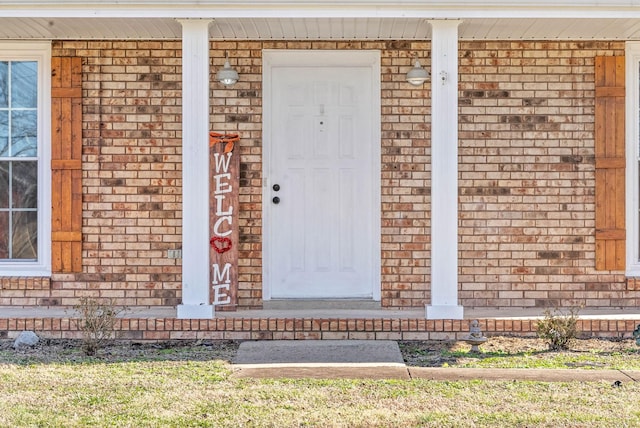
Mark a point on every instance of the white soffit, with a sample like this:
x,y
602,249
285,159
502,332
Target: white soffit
x,y
321,19
322,28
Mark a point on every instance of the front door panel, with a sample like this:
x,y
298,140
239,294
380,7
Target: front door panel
x,y
321,161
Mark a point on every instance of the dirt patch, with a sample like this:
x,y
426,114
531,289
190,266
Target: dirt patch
x,y
415,353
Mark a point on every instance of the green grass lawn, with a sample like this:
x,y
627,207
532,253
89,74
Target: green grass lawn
x,y
167,389
622,360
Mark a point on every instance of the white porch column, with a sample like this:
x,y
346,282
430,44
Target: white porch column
x,y
444,171
195,170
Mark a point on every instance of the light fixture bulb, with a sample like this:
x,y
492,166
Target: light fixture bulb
x,y
417,75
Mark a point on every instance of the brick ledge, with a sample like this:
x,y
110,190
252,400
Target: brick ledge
x,y
261,328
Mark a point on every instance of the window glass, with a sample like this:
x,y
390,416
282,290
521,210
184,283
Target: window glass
x,y
25,235
19,175
4,133
4,237
4,185
4,84
24,133
24,84
24,180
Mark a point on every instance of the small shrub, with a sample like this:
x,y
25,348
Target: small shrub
x,y
97,323
558,328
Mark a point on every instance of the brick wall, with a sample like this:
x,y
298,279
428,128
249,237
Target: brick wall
x,y
526,173
131,173
527,176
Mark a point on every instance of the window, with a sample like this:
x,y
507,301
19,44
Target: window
x,y
632,137
25,202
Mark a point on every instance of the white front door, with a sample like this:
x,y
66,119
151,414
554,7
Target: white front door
x,y
322,169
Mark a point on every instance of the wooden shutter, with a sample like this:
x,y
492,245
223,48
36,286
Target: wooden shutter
x,y
66,164
610,163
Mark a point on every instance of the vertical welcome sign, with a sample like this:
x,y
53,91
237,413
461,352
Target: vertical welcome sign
x,y
223,219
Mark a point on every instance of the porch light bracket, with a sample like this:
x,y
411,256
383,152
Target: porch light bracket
x,y
444,76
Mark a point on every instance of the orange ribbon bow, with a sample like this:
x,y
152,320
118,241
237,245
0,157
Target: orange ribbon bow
x,y
228,139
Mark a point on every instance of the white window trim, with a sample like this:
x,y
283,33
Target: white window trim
x,y
632,74
41,52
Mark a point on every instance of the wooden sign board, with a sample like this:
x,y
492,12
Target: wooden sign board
x,y
224,179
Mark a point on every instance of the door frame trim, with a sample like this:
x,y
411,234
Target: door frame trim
x,y
273,58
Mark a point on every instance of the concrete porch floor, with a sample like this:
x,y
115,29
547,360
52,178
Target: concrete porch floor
x,y
469,313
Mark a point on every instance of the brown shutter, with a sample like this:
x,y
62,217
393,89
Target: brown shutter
x,y
610,163
66,164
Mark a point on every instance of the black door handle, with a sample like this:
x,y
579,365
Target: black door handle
x,y
276,200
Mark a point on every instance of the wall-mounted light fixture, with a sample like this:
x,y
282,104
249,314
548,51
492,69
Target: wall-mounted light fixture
x,y
227,75
417,75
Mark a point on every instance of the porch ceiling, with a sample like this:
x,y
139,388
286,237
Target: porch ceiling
x,y
364,28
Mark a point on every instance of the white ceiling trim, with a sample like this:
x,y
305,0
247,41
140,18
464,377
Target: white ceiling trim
x,y
208,9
